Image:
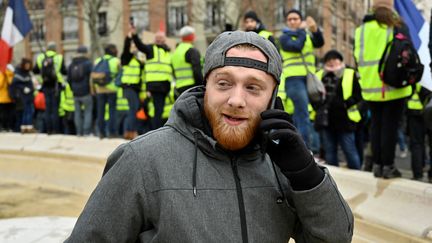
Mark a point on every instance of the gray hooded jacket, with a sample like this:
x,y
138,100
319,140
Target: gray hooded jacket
x,y
175,184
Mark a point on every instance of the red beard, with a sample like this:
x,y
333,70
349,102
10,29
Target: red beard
x,y
231,137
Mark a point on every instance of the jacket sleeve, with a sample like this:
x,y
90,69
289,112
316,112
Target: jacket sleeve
x,y
317,39
293,41
126,56
323,215
193,57
146,49
115,209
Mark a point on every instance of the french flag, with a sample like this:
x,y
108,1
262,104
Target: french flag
x,y
16,26
419,32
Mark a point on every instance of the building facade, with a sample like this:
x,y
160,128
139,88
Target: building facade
x,y
68,23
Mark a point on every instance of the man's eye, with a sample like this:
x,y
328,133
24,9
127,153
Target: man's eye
x,y
253,88
223,84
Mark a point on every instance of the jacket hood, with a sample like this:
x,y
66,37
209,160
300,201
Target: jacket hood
x,y
188,118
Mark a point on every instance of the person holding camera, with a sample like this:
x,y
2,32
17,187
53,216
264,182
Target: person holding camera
x,y
337,116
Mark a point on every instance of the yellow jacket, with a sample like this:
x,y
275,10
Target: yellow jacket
x,y
5,81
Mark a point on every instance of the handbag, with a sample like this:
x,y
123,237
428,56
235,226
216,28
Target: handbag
x,y
315,88
321,118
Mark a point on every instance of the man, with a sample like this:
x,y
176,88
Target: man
x,y
342,94
297,44
186,62
51,66
253,23
158,72
205,176
106,94
79,79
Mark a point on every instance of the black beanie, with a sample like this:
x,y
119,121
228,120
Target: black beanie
x,y
332,54
294,11
252,15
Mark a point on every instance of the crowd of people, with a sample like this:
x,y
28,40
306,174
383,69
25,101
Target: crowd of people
x,y
132,94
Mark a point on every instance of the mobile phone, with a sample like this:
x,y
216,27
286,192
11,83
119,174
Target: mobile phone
x,y
132,21
273,98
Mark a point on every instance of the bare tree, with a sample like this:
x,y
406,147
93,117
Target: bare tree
x,y
89,13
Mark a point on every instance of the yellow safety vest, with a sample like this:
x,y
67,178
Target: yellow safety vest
x,y
122,102
159,67
67,103
414,103
182,69
131,72
287,102
370,41
58,59
114,69
293,63
266,34
347,88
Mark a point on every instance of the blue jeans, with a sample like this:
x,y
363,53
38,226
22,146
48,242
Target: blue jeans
x,y
401,139
27,116
102,100
133,101
347,142
83,118
295,88
52,100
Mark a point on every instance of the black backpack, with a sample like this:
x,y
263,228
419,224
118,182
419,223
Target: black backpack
x,y
48,70
400,64
77,72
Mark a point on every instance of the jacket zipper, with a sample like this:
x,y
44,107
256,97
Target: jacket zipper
x,y
240,201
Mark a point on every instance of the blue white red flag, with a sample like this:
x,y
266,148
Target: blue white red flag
x,y
16,26
419,32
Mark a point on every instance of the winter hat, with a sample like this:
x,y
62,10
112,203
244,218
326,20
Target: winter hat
x,y
82,49
187,33
251,15
383,4
215,56
332,54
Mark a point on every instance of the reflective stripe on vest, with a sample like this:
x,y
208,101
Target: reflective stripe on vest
x,y
347,88
414,103
370,41
58,59
159,67
122,102
131,72
293,63
182,69
266,34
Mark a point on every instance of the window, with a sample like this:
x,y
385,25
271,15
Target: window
x,y
102,24
36,4
279,12
69,3
70,28
38,31
177,18
141,20
214,17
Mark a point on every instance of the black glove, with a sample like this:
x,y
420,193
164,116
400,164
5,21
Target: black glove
x,y
286,148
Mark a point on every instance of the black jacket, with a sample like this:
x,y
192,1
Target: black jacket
x,y
80,87
22,85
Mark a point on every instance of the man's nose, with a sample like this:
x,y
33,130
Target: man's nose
x,y
237,98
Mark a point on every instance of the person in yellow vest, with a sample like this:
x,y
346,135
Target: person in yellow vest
x,y
6,103
297,42
107,94
339,110
158,72
123,117
131,81
67,109
186,62
417,131
251,22
51,66
386,102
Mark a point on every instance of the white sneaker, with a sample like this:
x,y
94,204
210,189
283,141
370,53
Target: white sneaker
x,y
403,154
